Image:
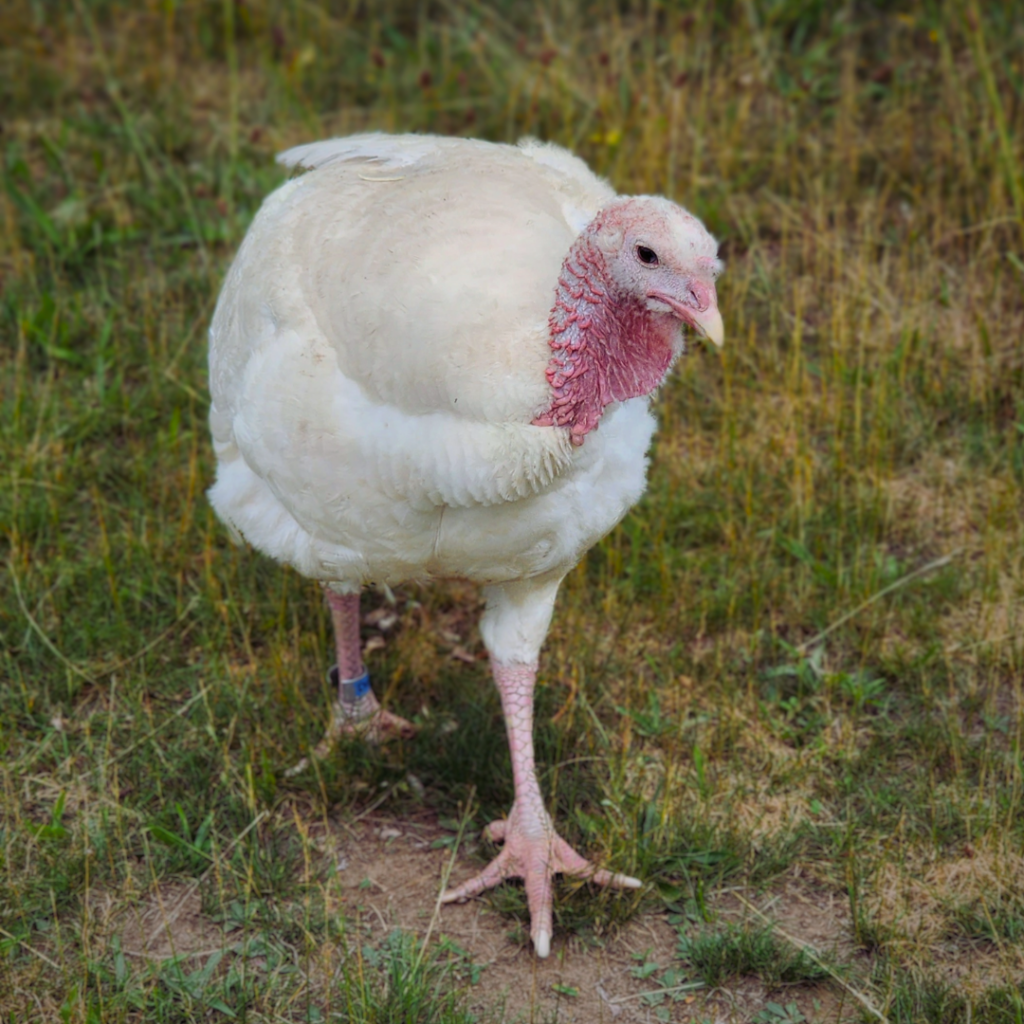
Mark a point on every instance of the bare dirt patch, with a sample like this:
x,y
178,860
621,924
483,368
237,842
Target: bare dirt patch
x,y
805,913
385,873
390,878
168,922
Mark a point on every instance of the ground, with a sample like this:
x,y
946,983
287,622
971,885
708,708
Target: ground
x,y
386,874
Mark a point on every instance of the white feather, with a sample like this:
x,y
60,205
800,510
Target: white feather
x,y
377,356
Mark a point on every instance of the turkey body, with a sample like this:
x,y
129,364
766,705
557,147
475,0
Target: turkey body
x,y
370,431
433,358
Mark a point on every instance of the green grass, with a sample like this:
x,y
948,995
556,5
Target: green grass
x,y
717,956
798,662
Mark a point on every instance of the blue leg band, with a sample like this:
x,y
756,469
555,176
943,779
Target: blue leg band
x,y
351,690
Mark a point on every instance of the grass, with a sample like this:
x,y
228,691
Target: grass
x,y
798,662
716,956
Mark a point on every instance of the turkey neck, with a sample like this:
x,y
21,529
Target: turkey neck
x,y
606,346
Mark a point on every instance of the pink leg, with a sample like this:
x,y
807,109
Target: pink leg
x,y
356,702
356,710
533,850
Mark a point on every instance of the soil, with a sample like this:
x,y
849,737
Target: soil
x,y
390,876
386,873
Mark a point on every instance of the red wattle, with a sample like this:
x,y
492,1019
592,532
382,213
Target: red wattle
x,y
606,346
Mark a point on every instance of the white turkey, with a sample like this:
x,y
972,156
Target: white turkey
x,y
433,358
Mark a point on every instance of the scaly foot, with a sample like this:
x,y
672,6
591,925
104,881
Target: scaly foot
x,y
380,726
535,855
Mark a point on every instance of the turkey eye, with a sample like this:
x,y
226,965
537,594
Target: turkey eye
x,y
648,256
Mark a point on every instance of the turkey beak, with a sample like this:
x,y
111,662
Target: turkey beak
x,y
709,323
699,309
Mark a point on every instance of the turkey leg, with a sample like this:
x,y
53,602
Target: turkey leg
x,y
357,710
532,849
